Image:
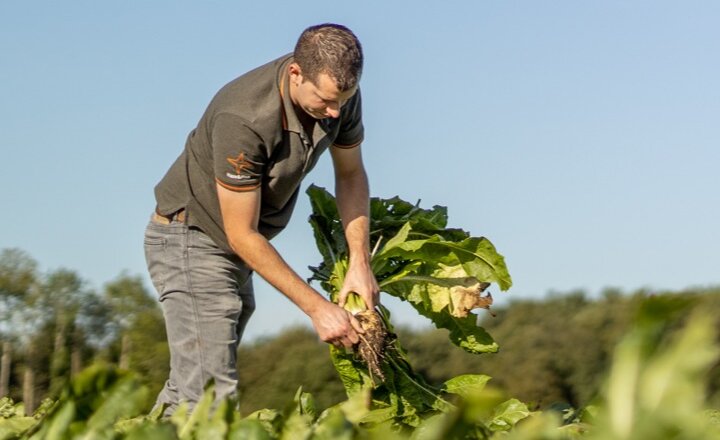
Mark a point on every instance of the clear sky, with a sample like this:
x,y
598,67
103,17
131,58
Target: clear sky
x,y
581,137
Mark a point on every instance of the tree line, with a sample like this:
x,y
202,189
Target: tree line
x,y
554,351
52,325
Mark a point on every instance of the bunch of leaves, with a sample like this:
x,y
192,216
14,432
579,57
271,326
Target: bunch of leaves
x,y
440,271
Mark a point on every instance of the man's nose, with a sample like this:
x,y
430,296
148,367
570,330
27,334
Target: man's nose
x,y
333,110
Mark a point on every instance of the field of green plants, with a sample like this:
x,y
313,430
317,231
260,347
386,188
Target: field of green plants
x,y
653,391
656,386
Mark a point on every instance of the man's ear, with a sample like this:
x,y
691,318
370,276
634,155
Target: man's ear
x,y
295,73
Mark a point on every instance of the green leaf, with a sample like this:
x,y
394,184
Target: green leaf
x,y
466,384
246,429
305,403
356,406
151,431
397,240
14,427
333,425
352,376
9,409
200,414
477,255
270,419
507,414
297,427
218,425
57,426
123,399
435,427
380,415
464,332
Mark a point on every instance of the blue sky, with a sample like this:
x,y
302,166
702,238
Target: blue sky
x,y
581,138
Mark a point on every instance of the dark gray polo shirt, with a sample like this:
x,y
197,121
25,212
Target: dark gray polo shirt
x,y
250,137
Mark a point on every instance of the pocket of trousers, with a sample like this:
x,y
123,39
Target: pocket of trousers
x,y
155,247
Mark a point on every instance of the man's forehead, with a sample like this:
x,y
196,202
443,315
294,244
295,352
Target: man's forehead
x,y
327,88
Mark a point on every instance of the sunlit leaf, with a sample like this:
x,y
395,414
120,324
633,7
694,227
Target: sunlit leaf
x,y
466,384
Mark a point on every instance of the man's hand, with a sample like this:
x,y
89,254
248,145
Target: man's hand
x,y
361,280
336,325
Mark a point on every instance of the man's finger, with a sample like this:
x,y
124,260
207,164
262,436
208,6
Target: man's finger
x,y
351,339
336,342
369,299
356,325
342,297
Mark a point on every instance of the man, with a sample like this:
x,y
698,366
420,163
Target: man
x,y
234,187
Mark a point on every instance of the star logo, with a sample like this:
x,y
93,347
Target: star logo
x,y
239,163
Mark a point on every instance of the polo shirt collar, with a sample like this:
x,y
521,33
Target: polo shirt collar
x,y
289,118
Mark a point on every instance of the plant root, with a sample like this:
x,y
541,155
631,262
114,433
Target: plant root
x,y
371,347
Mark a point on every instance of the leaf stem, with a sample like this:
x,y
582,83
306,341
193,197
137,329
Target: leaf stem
x,y
418,278
377,246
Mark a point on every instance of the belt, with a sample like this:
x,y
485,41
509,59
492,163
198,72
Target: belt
x,y
178,217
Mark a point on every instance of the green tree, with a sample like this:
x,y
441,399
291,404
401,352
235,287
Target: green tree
x,y
66,305
271,371
18,275
553,350
137,330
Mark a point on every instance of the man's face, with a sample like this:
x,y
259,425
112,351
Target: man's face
x,y
321,99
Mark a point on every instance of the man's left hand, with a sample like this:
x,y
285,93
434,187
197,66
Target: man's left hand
x,y
361,280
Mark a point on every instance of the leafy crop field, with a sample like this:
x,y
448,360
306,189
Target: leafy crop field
x,y
652,392
655,388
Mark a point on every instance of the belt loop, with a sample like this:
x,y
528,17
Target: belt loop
x,y
178,216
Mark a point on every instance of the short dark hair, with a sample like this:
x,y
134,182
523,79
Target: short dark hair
x,y
332,49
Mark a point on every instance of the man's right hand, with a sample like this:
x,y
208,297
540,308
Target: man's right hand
x,y
336,325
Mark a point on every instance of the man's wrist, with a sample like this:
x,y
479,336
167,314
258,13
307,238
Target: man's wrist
x,y
359,258
313,302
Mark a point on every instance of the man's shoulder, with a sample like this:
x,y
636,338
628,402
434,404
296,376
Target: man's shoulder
x,y
253,96
256,83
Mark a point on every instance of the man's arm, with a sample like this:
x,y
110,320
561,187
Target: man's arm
x,y
240,213
351,189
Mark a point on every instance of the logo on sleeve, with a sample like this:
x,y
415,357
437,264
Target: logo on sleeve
x,y
239,165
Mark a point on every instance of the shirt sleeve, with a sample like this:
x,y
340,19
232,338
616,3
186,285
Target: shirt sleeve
x,y
351,128
239,154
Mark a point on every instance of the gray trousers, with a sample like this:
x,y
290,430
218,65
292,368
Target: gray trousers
x,y
207,298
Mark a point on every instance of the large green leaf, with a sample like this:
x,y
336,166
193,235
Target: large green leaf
x,y
352,375
464,332
476,255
